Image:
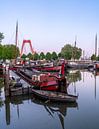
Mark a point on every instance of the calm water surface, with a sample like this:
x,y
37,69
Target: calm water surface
x,y
29,113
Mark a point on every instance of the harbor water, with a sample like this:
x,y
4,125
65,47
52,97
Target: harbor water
x,y
28,112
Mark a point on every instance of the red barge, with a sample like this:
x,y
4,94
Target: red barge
x,y
48,68
44,81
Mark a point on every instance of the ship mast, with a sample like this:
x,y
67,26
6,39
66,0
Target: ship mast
x,y
96,45
75,43
16,37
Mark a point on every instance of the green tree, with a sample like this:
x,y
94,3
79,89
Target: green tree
x,y
54,55
59,55
93,57
30,56
69,52
23,56
36,56
14,51
9,51
76,53
42,56
1,51
1,37
66,51
98,57
48,56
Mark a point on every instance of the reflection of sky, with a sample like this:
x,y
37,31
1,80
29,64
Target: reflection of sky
x,y
87,115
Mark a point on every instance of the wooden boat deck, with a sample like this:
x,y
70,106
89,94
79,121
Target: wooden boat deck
x,y
54,96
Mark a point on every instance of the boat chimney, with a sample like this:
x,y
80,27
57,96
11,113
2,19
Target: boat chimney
x,y
63,68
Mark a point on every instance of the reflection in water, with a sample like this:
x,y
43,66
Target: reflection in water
x,y
51,108
7,109
1,102
16,100
60,109
19,114
74,76
95,86
1,85
95,73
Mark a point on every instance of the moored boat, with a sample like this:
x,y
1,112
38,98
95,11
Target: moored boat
x,y
44,81
39,80
48,68
96,66
54,96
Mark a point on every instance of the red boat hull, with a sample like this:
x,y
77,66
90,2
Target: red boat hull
x,y
54,68
47,85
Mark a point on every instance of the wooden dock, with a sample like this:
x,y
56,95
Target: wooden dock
x,y
26,88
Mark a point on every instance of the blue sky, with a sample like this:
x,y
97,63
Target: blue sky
x,y
50,24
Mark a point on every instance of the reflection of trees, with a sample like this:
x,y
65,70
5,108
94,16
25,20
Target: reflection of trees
x,y
1,83
96,73
74,76
1,103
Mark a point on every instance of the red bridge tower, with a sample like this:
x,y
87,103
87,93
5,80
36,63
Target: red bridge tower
x,y
25,42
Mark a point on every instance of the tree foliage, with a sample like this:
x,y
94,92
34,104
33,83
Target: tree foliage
x,y
54,56
1,37
69,52
66,51
42,56
30,56
36,56
93,57
76,53
48,56
23,56
1,51
8,51
59,55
